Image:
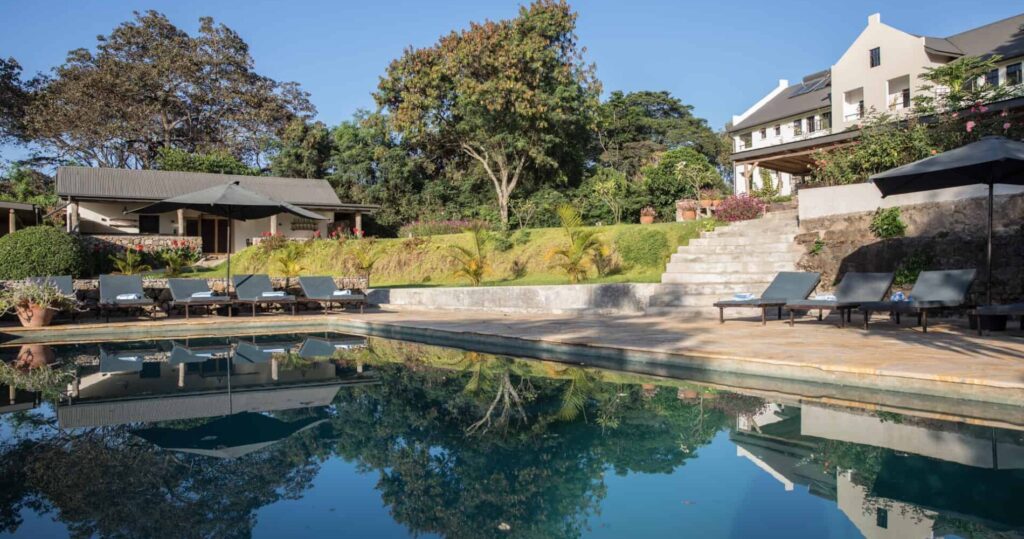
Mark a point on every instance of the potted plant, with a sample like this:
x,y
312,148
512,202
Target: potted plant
x,y
686,210
709,198
35,303
647,215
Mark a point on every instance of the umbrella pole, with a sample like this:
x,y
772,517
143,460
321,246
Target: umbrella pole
x,y
988,254
230,244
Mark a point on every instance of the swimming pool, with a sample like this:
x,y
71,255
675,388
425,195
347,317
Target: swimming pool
x,y
327,434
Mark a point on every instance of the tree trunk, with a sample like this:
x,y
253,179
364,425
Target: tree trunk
x,y
503,176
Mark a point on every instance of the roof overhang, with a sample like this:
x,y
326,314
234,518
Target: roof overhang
x,y
793,157
343,207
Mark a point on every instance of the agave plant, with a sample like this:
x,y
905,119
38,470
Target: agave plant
x,y
576,256
472,260
130,262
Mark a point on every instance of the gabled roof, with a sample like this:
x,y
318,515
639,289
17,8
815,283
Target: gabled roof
x,y
811,94
152,185
1004,38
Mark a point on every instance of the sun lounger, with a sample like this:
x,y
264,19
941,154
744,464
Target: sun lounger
x,y
324,291
853,290
787,286
934,290
123,292
190,293
256,290
1008,309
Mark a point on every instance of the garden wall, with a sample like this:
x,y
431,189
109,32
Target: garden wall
x,y
941,234
150,243
555,299
816,202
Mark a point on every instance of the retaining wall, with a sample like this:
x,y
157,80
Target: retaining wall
x,y
817,202
558,299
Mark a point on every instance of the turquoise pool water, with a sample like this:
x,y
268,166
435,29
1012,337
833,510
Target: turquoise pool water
x,y
327,435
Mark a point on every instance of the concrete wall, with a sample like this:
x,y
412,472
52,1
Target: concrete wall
x,y
594,298
864,197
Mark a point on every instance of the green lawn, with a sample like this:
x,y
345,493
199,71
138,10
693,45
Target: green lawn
x,y
421,262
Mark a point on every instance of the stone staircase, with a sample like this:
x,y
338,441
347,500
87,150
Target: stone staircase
x,y
741,257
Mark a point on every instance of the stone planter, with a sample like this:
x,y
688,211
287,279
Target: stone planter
x,y
35,316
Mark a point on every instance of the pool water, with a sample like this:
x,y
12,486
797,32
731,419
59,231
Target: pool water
x,y
319,435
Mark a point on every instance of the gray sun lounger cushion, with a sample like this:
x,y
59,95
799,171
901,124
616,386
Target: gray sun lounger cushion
x,y
932,290
246,352
112,286
323,288
853,290
787,285
181,355
1007,309
182,291
64,283
250,288
121,360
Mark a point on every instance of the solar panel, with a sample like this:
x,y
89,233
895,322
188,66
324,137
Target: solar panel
x,y
811,86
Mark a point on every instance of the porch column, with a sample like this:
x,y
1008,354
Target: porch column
x,y
273,369
359,220
72,214
11,221
273,224
181,375
181,221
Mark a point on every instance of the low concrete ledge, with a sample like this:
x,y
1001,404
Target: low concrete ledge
x,y
623,298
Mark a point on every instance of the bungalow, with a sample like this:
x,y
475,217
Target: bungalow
x,y
97,200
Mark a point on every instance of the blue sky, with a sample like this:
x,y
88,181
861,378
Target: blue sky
x,y
718,56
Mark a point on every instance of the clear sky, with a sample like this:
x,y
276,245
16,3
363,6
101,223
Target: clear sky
x,y
720,56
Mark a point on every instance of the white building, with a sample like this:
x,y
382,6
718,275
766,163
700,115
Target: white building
x,y
879,72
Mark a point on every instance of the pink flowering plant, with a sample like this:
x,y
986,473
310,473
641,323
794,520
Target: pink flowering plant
x,y
740,208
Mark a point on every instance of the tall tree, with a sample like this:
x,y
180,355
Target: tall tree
x,y
303,150
513,96
150,85
14,96
215,162
636,127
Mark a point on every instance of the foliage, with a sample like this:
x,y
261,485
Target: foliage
x,y
269,243
501,241
887,223
817,248
40,251
471,102
178,257
575,256
955,85
303,151
472,261
362,258
14,97
214,162
130,261
883,144
604,260
642,246
288,260
610,187
739,208
25,294
911,266
677,174
433,228
48,380
769,189
19,183
517,269
150,85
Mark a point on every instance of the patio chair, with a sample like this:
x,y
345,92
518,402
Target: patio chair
x,y
325,292
190,293
853,290
256,290
1008,309
933,290
66,285
123,292
787,286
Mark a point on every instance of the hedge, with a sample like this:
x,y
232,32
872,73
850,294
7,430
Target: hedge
x,y
642,247
40,251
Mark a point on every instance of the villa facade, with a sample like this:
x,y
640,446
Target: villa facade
x,y
880,72
97,200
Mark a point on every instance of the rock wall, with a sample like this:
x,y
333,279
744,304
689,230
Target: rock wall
x,y
150,243
940,235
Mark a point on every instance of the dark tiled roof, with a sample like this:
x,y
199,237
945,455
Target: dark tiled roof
x,y
152,185
792,101
1004,38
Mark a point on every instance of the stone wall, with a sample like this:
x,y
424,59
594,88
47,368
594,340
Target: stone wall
x,y
580,298
150,243
940,235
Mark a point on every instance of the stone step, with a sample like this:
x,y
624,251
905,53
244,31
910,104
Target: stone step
x,y
717,278
749,231
752,239
722,290
687,256
764,265
752,248
695,300
686,313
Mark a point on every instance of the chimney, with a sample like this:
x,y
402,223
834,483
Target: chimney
x,y
874,18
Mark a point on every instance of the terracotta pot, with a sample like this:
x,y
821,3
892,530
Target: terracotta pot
x,y
35,316
646,219
689,215
33,356
708,203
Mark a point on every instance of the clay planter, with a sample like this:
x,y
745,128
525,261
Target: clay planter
x,y
646,219
34,356
689,215
705,204
35,316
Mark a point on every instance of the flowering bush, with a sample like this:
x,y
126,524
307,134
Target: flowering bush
x,y
177,257
434,228
271,242
739,208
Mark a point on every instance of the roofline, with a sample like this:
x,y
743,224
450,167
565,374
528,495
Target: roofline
x,y
735,129
368,208
993,23
795,145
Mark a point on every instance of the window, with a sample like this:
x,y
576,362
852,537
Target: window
x,y
882,518
797,130
764,133
860,108
1013,74
906,98
876,57
778,130
810,124
826,120
746,140
992,77
149,224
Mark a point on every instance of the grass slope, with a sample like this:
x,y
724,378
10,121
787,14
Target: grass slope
x,y
428,262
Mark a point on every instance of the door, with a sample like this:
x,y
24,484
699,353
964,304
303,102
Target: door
x,y
208,232
222,236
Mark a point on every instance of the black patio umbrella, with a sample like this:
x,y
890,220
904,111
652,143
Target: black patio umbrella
x,y
988,161
232,201
228,437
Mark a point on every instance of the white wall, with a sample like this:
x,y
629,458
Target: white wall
x,y
864,197
740,181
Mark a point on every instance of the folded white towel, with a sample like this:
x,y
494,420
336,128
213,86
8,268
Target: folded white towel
x,y
825,297
129,358
742,296
342,293
127,297
208,294
274,294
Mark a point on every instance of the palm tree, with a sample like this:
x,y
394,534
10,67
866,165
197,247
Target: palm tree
x,y
574,258
471,260
288,262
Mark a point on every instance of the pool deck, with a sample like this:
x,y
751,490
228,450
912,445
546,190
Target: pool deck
x,y
949,360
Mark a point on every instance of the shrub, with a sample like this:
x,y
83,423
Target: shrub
x,y
642,246
502,241
887,224
130,262
40,251
521,237
739,208
272,242
910,267
435,228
